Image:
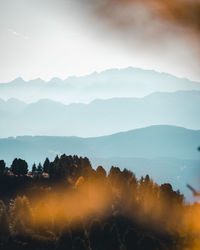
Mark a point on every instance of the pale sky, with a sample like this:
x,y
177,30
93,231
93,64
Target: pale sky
x,y
56,38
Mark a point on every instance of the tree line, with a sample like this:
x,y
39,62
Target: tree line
x,y
66,204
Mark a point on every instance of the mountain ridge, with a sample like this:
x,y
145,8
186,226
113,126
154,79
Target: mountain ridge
x,y
195,92
128,82
149,142
111,70
100,117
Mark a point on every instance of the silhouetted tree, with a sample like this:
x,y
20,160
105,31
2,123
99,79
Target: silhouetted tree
x,y
46,166
19,167
2,167
85,166
147,179
114,175
141,181
39,168
128,175
101,171
21,215
167,192
56,159
34,168
130,214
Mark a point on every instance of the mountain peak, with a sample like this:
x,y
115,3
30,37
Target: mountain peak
x,y
55,79
18,80
37,80
15,101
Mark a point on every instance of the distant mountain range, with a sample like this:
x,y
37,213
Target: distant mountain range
x,y
150,142
100,117
98,107
128,82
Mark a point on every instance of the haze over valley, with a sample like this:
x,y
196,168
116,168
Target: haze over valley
x,y
100,117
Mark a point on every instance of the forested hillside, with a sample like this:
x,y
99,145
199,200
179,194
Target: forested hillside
x,y
65,204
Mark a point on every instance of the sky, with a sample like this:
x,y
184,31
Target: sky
x,y
59,38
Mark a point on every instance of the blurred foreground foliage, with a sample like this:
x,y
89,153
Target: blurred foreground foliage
x,y
66,204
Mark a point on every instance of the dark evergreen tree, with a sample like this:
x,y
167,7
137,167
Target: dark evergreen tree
x,y
46,166
39,168
101,171
60,213
147,179
34,168
2,167
19,167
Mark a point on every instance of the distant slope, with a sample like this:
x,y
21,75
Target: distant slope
x,y
167,153
100,117
128,82
150,142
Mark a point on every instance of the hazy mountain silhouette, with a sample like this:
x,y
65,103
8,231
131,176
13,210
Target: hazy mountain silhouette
x,y
128,82
167,153
149,142
100,117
